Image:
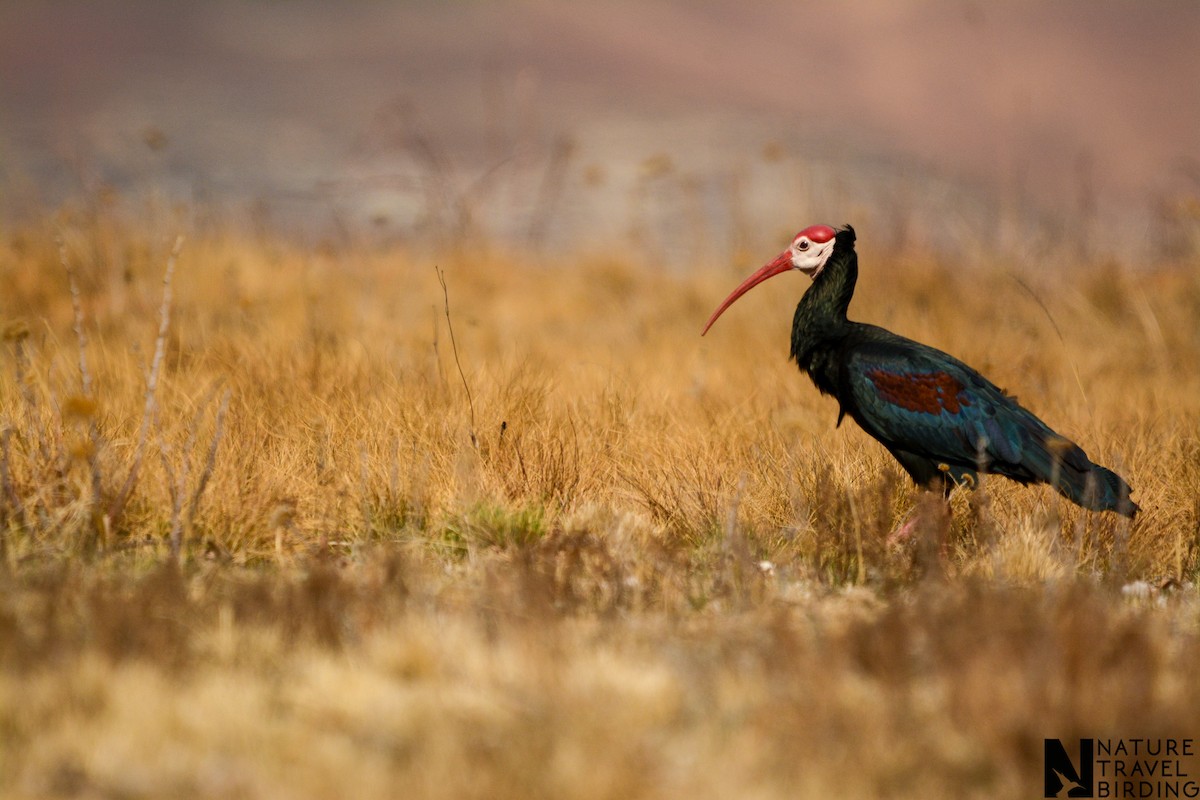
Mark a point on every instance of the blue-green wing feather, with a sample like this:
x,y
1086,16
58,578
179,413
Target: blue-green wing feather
x,y
936,413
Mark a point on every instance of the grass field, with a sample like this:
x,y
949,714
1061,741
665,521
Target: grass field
x,y
312,526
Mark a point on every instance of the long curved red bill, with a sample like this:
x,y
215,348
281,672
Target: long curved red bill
x,y
782,263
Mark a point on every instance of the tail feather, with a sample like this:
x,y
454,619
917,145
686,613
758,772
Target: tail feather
x,y
1023,447
1065,466
1099,489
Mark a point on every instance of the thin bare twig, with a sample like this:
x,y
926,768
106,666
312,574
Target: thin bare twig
x,y
164,320
175,486
85,379
180,482
183,512
30,413
6,483
364,479
21,365
1058,332
454,347
210,459
85,375
437,352
17,333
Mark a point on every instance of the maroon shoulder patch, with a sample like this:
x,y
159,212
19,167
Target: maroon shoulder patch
x,y
928,392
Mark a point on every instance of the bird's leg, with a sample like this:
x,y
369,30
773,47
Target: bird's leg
x,y
904,529
921,538
927,510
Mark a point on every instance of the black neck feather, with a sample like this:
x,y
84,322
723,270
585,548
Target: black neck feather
x,y
821,314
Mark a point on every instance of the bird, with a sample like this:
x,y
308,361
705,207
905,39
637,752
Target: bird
x,y
1067,785
941,419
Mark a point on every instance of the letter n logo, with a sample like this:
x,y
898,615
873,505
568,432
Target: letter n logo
x,y
1062,777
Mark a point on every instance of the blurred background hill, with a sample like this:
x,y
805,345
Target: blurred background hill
x,y
693,130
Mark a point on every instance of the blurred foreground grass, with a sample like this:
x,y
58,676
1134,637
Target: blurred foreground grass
x,y
631,563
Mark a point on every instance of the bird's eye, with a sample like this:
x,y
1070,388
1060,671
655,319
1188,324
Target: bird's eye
x,y
803,245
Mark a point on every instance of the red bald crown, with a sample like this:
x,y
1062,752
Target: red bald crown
x,y
817,233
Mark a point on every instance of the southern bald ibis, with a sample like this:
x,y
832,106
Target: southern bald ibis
x,y
942,420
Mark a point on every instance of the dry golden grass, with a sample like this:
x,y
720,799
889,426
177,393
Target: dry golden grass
x,y
635,563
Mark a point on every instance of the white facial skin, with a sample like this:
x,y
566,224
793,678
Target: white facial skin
x,y
809,257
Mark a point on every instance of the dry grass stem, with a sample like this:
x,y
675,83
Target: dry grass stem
x,y
454,347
